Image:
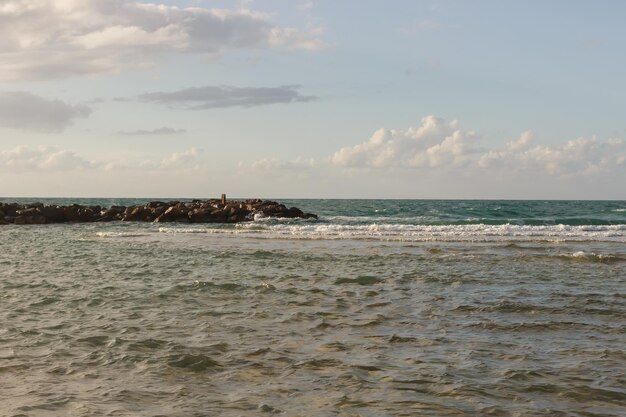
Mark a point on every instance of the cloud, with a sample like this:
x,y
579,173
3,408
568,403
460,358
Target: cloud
x,y
438,146
162,131
211,97
268,164
25,159
178,161
23,110
44,39
581,156
435,143
185,159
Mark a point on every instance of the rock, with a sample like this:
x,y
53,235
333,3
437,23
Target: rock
x,y
110,214
196,211
221,215
30,219
54,214
155,204
135,213
294,212
170,215
157,211
200,215
237,218
10,209
30,211
71,213
86,215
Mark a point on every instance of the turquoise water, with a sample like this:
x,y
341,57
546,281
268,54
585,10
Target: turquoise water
x,y
379,308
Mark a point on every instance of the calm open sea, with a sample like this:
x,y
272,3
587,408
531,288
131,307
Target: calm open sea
x,y
379,308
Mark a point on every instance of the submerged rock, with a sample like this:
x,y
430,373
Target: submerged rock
x,y
196,211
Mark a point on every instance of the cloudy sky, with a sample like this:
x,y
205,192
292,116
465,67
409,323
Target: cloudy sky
x,y
318,98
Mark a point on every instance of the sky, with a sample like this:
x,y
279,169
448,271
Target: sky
x,y
486,99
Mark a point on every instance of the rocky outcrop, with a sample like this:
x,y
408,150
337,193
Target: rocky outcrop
x,y
197,211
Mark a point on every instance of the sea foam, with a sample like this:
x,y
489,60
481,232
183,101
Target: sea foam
x,y
412,232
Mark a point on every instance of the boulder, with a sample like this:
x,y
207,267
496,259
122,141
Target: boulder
x,y
154,204
10,209
28,211
30,219
135,213
237,218
87,215
200,215
219,216
54,214
110,214
170,215
294,212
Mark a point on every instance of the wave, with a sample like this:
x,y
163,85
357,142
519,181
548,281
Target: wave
x,y
411,232
593,257
119,234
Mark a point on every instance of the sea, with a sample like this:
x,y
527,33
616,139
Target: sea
x,y
378,308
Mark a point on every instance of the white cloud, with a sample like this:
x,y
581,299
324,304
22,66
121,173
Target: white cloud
x,y
51,159
178,161
185,159
435,143
436,146
292,38
581,156
23,110
24,159
268,164
42,39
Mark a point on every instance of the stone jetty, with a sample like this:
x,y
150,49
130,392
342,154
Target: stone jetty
x,y
196,211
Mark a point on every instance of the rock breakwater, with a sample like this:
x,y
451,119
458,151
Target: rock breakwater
x,y
196,211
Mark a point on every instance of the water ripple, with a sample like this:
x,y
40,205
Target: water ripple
x,y
135,322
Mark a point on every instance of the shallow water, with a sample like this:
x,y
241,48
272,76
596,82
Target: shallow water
x,y
380,313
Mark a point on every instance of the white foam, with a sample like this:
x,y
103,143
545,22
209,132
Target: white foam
x,y
186,230
118,234
411,232
592,255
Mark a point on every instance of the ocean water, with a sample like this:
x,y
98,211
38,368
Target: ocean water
x,y
379,308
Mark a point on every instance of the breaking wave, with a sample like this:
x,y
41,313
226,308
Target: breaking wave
x,y
411,232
